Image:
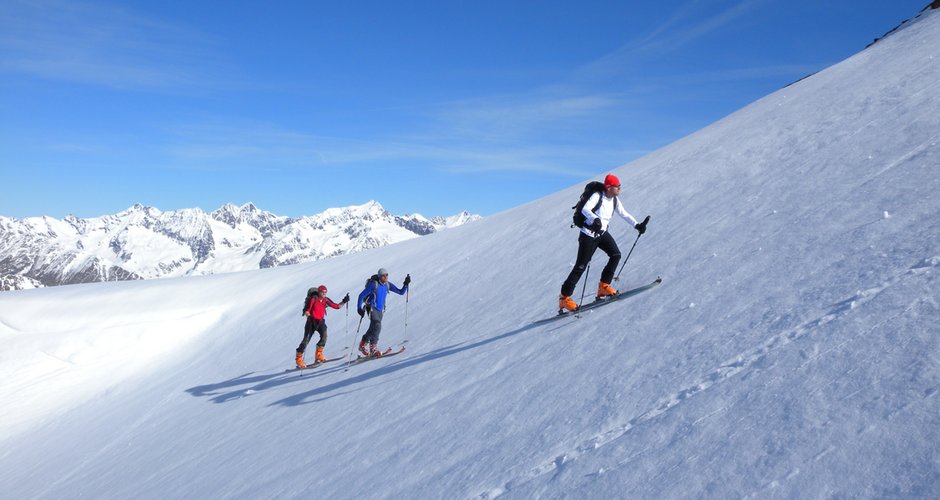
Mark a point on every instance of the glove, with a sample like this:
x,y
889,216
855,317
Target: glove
x,y
641,227
407,280
596,225
362,312
345,299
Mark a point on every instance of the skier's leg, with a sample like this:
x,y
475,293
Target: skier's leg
x,y
376,322
308,333
608,244
586,248
321,329
375,327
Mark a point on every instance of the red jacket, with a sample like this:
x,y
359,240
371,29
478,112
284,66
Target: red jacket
x,y
317,307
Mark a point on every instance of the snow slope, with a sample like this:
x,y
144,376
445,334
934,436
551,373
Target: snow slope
x,y
792,350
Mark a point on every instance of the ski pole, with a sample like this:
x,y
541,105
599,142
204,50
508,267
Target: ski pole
x,y
353,343
407,296
348,343
584,287
617,278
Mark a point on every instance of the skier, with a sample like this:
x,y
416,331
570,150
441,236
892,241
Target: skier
x,y
315,311
373,298
597,212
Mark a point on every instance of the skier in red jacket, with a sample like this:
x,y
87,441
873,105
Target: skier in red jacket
x,y
315,311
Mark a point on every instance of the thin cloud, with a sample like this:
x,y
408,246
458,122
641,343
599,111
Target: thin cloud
x,y
104,45
780,72
671,35
673,39
512,117
261,146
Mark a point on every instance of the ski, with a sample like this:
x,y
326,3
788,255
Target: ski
x,y
315,364
622,295
600,302
388,352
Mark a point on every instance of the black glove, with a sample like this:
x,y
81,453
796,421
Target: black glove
x,y
362,312
346,299
407,280
596,225
641,227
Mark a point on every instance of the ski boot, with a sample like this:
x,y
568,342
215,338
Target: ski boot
x,y
362,348
300,360
604,290
320,357
374,351
565,304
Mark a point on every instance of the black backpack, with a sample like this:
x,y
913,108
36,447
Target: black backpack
x,y
310,293
589,190
368,300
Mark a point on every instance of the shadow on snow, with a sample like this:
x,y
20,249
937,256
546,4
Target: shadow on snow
x,y
263,382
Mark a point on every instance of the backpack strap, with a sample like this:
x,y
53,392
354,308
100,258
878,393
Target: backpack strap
x,y
371,298
601,200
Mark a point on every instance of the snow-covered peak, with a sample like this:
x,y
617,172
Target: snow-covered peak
x,y
13,282
139,209
455,220
143,242
441,223
370,210
417,217
249,214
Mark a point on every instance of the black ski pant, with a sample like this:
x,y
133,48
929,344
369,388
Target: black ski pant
x,y
313,325
586,248
375,327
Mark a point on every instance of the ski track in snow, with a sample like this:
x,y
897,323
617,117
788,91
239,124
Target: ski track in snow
x,y
906,157
726,371
775,483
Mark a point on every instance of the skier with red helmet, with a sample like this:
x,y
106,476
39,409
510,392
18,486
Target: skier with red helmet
x,y
594,219
315,311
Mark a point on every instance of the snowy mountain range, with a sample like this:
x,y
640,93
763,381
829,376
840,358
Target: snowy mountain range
x,y
143,242
792,350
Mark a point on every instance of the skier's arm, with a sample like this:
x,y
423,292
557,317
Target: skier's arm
x,y
399,291
589,216
624,214
332,304
365,293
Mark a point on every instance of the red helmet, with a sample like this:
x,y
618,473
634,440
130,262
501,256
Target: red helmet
x,y
611,180
322,288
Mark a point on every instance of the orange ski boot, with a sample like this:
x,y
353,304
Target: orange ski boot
x,y
566,304
300,360
604,290
320,357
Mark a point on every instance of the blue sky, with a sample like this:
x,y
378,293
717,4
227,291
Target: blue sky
x,y
430,107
